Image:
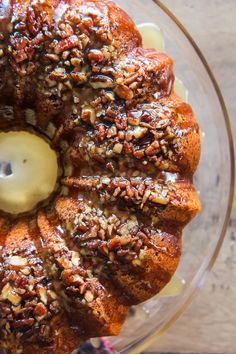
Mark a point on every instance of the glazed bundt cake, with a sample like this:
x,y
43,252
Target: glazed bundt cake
x,y
75,74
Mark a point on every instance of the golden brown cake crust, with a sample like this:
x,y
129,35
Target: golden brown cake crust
x,y
75,72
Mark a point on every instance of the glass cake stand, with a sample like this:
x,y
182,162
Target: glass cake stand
x,y
214,179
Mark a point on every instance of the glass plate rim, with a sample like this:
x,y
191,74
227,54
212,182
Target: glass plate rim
x,y
145,342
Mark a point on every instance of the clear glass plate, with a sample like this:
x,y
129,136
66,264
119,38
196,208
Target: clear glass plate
x,y
214,179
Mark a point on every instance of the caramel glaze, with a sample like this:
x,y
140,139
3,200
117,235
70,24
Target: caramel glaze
x,y
76,72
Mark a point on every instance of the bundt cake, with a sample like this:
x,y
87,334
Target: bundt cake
x,y
75,74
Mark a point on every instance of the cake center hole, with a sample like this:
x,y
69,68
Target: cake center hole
x,y
28,171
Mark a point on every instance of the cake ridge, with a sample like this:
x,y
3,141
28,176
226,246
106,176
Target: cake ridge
x,y
78,287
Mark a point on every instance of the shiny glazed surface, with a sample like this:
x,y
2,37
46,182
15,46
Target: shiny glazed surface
x,y
111,237
203,237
